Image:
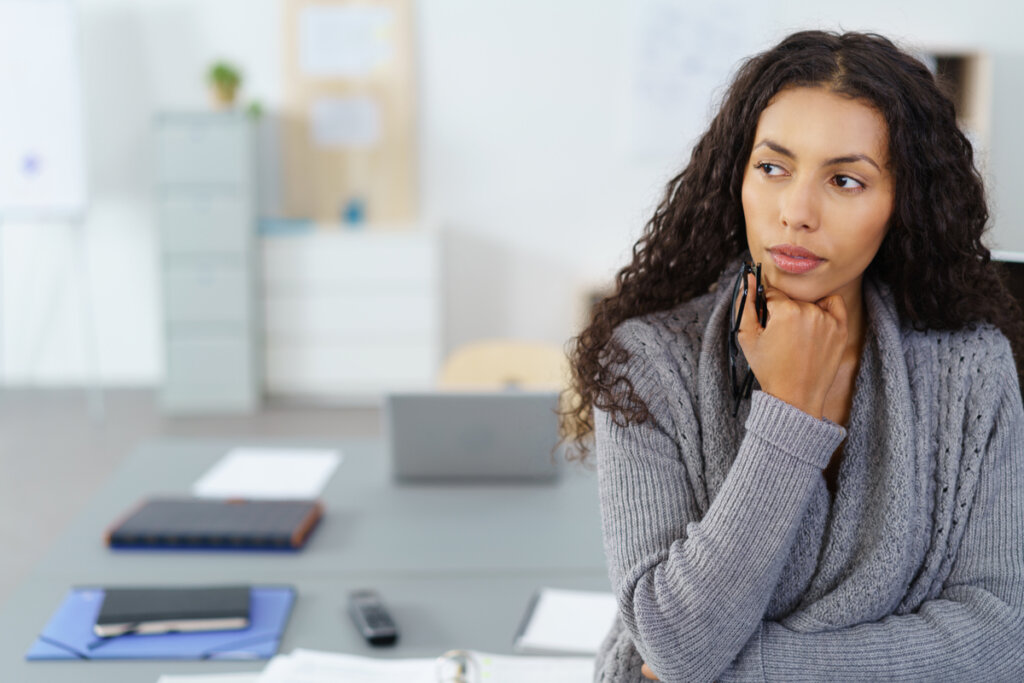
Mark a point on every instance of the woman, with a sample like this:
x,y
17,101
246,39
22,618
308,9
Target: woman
x,y
857,512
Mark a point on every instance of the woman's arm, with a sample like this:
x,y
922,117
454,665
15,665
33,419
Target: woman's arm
x,y
693,590
974,629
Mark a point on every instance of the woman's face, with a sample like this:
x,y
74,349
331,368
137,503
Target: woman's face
x,y
817,193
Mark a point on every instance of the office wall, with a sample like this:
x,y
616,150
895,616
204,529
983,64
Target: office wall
x,y
528,157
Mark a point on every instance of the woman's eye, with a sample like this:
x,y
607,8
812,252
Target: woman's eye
x,y
768,169
845,182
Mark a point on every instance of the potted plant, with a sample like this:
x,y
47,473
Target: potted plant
x,y
224,80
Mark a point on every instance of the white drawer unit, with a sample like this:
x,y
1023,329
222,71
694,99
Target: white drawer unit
x,y
349,371
206,215
351,315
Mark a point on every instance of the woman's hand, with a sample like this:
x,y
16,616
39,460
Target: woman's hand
x,y
796,356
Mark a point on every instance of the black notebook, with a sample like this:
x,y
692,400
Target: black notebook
x,y
165,610
203,523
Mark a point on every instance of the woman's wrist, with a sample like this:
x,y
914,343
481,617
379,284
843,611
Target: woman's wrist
x,y
812,405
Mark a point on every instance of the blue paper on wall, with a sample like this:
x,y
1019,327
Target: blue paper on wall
x,y
69,634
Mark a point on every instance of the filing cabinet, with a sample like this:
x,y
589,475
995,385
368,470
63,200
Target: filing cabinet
x,y
206,216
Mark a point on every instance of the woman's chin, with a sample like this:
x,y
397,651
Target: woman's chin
x,y
796,288
801,296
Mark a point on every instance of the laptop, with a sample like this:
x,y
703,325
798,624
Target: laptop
x,y
473,436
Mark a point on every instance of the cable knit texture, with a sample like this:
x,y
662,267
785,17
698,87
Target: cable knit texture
x,y
730,559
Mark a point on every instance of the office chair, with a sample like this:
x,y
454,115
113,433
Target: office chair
x,y
504,363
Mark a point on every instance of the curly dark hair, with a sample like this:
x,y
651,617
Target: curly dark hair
x,y
932,256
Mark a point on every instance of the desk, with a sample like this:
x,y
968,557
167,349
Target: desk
x,y
457,564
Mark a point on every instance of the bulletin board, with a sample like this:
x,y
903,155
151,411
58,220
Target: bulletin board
x,y
348,123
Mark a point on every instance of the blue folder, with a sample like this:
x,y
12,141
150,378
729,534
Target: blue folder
x,y
69,633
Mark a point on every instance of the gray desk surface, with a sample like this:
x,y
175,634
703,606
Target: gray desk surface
x,y
456,564
371,524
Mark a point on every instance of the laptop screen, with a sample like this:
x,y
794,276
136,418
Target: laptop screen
x,y
1011,263
451,435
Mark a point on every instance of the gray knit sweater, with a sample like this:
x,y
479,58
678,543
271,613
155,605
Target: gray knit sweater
x,y
731,560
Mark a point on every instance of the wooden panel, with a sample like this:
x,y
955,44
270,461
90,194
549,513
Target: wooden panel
x,y
320,180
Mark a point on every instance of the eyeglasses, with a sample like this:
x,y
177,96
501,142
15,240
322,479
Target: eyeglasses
x,y
742,390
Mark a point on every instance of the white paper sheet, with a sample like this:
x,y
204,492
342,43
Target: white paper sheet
x,y
344,122
345,42
568,621
519,669
308,666
268,474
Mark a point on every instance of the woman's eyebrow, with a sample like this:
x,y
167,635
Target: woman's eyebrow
x,y
848,159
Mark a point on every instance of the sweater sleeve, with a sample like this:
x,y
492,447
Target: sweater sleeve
x,y
972,631
691,591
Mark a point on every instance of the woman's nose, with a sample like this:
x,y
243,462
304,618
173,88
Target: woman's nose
x,y
798,205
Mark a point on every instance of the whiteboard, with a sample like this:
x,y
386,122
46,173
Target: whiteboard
x,y
683,57
42,164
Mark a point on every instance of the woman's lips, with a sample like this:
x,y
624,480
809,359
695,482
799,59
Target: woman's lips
x,y
796,260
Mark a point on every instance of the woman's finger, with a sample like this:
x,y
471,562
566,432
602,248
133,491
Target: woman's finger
x,y
834,306
646,671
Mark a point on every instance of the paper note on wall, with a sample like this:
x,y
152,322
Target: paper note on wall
x,y
344,122
345,42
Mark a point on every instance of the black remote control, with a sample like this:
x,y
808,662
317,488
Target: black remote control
x,y
371,617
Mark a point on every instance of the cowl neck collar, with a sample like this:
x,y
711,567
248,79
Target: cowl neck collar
x,y
872,539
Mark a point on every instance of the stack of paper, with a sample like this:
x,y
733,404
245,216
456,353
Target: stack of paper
x,y
567,621
308,666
